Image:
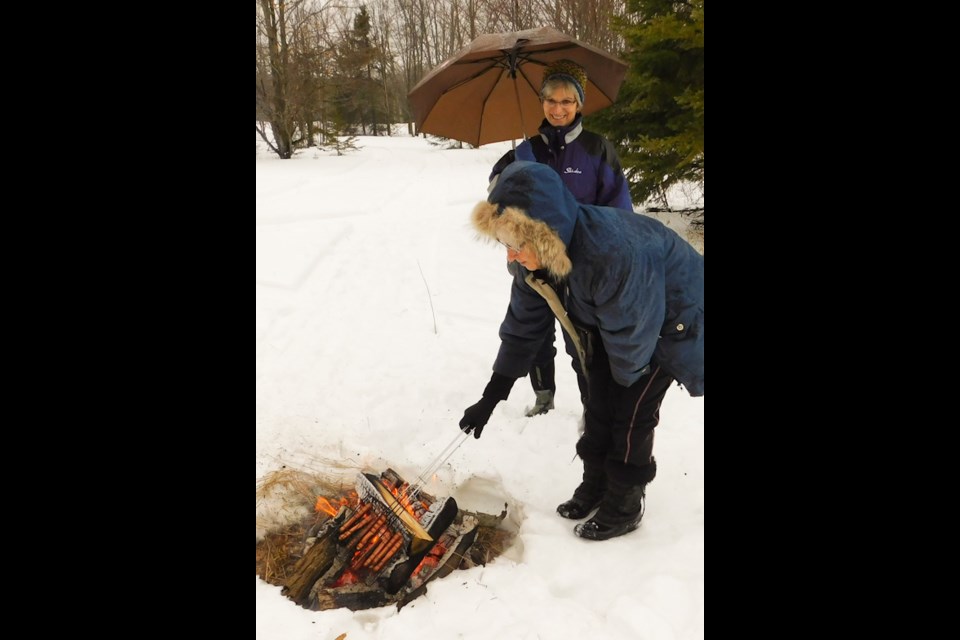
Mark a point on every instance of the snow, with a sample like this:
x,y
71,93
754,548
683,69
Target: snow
x,y
377,318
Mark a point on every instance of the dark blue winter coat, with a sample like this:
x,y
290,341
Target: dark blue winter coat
x,y
621,275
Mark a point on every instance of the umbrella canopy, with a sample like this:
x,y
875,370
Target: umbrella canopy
x,y
489,91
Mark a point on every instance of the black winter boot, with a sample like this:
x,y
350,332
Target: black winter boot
x,y
623,503
587,496
620,512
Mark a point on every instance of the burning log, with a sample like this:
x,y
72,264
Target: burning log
x,y
453,559
314,563
402,572
354,597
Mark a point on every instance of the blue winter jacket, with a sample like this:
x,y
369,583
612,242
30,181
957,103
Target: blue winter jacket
x,y
629,279
586,161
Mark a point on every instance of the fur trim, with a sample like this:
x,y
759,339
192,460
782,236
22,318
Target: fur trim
x,y
628,474
514,223
589,452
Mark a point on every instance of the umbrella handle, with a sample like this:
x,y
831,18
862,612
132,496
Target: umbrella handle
x,y
516,91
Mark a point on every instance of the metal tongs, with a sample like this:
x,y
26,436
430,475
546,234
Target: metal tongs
x,y
432,468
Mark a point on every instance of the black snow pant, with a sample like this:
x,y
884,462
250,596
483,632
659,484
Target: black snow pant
x,y
619,421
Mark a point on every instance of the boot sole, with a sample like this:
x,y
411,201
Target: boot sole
x,y
531,413
590,534
580,515
574,516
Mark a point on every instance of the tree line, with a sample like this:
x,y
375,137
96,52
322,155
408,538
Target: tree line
x,y
329,70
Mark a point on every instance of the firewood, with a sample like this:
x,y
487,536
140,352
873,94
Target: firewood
x,y
451,563
392,477
354,600
353,548
314,563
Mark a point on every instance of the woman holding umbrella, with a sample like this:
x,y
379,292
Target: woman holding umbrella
x,y
589,167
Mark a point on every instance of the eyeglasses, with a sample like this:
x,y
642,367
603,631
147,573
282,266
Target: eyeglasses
x,y
510,247
566,104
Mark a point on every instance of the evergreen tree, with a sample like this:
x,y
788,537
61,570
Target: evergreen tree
x,y
657,121
339,136
358,93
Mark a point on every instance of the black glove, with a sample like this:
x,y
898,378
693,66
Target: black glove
x,y
502,163
477,415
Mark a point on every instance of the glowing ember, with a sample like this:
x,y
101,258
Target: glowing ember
x,y
432,559
347,578
416,509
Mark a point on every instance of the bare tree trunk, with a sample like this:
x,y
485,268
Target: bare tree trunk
x,y
274,25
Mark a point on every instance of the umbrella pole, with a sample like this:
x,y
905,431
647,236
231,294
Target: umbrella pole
x,y
516,92
512,57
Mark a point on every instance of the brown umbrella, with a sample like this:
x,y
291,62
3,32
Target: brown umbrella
x,y
489,91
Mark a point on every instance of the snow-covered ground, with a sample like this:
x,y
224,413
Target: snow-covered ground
x,y
377,318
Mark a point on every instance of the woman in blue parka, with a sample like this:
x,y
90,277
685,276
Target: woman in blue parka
x,y
628,291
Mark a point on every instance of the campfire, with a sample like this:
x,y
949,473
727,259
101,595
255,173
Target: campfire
x,y
379,543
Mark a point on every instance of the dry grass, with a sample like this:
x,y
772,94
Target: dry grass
x,y
285,513
490,543
278,552
288,496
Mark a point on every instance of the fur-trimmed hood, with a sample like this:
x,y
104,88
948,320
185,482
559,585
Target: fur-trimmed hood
x,y
530,205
